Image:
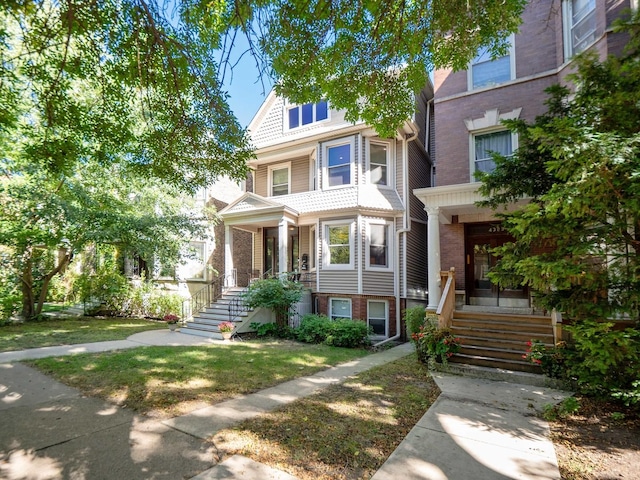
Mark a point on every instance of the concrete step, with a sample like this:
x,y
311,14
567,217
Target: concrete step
x,y
190,330
505,375
482,361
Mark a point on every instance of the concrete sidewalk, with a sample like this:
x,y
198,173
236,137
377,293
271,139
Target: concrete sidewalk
x,y
478,429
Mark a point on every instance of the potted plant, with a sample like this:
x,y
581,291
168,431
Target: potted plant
x,y
171,320
226,329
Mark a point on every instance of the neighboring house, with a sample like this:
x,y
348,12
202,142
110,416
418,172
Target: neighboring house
x,y
204,262
332,204
469,108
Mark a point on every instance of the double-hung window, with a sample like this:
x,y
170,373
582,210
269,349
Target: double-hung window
x,y
377,317
279,180
486,71
339,308
379,163
300,115
338,245
378,245
579,25
339,165
487,144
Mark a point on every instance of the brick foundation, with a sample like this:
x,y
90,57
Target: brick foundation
x,y
358,306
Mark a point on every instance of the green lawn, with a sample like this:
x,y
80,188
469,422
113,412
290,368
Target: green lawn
x,y
169,381
345,432
46,333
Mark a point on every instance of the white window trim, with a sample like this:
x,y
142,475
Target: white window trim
x,y
313,172
326,265
490,122
285,116
390,166
512,68
270,170
472,147
390,246
331,299
386,317
313,246
567,13
325,161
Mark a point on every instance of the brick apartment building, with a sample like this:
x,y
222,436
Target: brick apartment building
x,y
469,108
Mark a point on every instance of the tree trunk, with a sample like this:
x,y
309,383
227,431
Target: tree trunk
x,y
31,308
63,261
26,284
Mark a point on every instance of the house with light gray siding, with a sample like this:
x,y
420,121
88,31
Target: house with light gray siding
x,y
332,205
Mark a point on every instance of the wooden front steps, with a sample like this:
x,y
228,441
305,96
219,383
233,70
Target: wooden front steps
x,y
205,323
499,340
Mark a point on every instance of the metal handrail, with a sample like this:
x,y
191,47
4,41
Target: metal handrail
x,y
203,297
237,306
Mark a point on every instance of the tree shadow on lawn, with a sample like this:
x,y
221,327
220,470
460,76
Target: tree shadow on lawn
x,y
164,382
346,431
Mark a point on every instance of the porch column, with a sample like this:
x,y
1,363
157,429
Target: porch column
x,y
283,246
228,257
433,256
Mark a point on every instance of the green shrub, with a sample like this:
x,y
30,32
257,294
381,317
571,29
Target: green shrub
x,y
313,328
108,287
273,330
275,294
338,333
414,318
348,333
605,362
567,407
161,303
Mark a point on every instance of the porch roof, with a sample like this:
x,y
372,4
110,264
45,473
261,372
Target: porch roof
x,y
367,197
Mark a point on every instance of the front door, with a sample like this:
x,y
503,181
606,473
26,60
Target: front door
x,y
480,240
272,250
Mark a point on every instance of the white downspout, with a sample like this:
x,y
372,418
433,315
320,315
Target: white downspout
x,y
406,228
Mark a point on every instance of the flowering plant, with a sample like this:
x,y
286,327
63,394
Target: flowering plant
x,y
171,318
435,344
536,351
226,327
551,359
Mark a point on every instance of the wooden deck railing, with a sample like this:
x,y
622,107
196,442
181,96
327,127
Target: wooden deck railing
x,y
448,299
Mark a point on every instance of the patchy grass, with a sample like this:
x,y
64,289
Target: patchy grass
x,y
345,432
69,331
168,381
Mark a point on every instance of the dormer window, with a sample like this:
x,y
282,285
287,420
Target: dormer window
x,y
300,115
